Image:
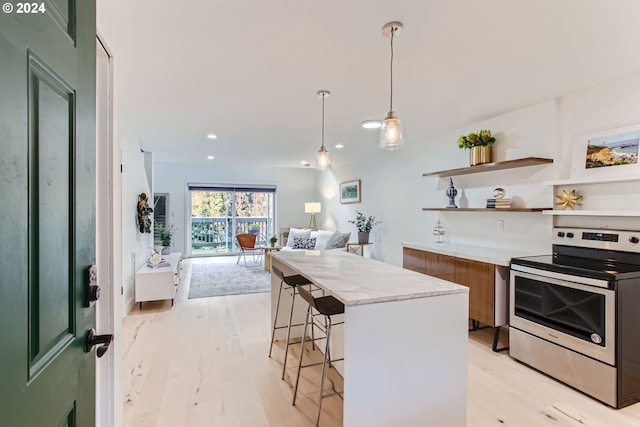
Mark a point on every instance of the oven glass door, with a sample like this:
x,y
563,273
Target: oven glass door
x,y
574,315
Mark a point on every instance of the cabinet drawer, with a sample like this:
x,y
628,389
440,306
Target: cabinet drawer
x,y
414,260
479,277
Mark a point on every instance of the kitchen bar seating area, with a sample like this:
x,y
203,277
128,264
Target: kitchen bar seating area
x,y
427,382
228,380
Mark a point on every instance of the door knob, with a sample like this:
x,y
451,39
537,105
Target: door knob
x,y
102,341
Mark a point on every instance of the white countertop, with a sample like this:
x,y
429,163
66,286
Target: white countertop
x,y
476,253
354,280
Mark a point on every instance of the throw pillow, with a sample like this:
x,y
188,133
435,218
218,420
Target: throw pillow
x,y
324,236
304,243
339,240
297,232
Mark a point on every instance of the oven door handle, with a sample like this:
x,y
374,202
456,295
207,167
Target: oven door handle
x,y
561,276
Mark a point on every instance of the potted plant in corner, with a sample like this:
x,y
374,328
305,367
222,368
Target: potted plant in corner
x,y
479,145
166,234
364,224
273,241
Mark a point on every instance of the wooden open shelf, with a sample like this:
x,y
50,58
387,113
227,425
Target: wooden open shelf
x,y
487,209
579,212
507,164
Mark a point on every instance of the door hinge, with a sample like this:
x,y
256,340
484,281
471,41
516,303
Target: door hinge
x,y
121,290
121,169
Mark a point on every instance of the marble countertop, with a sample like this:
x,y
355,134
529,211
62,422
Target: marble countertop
x,y
476,253
354,280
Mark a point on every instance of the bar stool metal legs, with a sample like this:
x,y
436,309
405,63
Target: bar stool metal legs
x,y
290,285
327,306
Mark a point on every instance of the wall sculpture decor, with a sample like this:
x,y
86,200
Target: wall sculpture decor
x,y
144,213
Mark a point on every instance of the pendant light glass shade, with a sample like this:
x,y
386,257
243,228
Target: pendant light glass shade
x,y
323,161
391,131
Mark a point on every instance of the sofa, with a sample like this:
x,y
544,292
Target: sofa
x,y
293,239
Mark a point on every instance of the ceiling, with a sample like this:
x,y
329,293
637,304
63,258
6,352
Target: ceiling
x,y
249,70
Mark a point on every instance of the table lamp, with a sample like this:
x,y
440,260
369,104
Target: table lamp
x,y
312,208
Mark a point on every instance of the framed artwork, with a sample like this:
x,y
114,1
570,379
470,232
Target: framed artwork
x,y
607,153
350,191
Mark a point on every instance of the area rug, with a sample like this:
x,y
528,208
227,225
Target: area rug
x,y
225,277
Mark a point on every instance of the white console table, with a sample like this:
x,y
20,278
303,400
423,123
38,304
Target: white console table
x,y
158,283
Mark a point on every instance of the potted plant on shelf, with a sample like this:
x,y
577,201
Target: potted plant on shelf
x,y
273,241
479,145
364,224
166,235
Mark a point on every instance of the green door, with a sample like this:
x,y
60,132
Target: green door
x,y
47,212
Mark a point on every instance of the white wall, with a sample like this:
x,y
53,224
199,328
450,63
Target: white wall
x,y
135,245
295,186
134,180
394,190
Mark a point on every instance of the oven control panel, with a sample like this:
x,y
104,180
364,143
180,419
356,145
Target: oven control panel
x,y
619,240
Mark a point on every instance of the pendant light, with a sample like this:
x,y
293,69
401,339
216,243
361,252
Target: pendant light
x,y
391,131
323,162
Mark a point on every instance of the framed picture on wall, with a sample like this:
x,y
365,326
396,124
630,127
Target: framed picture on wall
x,y
350,191
607,153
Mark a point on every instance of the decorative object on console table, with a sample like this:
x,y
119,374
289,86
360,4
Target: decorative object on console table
x,y
350,191
273,241
451,193
479,145
569,200
364,224
155,258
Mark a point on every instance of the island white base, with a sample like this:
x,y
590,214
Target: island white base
x,y
405,364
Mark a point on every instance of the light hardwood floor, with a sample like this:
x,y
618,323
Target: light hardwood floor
x,y
203,362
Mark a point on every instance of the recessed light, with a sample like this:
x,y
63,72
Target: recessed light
x,y
210,157
339,146
212,136
371,124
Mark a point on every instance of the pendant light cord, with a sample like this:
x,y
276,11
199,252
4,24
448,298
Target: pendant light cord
x,y
393,30
323,95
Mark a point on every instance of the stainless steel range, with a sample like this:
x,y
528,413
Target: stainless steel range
x,y
575,314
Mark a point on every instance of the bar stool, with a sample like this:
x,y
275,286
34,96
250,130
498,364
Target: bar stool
x,y
292,283
326,306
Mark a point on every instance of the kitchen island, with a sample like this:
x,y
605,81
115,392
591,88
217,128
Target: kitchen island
x,y
404,341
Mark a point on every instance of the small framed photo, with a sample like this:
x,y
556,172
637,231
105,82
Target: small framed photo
x,y
350,191
607,153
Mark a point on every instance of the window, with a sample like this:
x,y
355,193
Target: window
x,y
218,213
